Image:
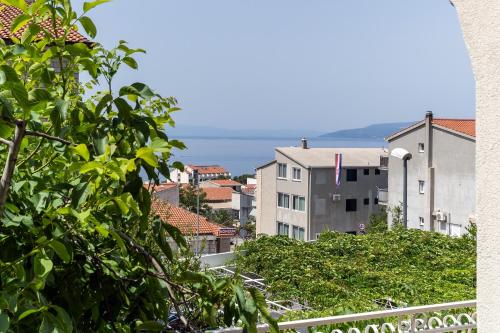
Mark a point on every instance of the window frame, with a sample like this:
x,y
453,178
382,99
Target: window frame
x,y
300,233
287,201
350,210
285,226
350,172
421,186
298,197
282,167
294,169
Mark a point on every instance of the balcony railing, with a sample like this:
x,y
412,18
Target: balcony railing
x,y
457,317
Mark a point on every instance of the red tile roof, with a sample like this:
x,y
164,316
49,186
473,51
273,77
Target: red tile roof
x,y
249,189
218,194
203,169
465,126
8,14
187,222
225,182
161,187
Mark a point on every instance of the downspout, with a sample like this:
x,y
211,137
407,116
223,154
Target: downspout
x,y
309,205
430,169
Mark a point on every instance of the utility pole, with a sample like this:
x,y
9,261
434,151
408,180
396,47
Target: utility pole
x,y
196,183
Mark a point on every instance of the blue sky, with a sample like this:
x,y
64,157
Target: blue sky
x,y
295,64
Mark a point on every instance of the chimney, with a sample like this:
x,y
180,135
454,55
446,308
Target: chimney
x,y
304,143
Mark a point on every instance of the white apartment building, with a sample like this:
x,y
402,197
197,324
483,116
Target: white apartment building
x,y
441,174
297,195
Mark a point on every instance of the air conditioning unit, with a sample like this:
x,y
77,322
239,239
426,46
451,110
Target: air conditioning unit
x,y
440,216
336,197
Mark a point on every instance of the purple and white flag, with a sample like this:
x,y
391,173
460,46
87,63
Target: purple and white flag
x,y
338,168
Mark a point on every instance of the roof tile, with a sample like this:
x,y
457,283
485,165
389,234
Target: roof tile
x,y
218,194
465,126
187,222
8,14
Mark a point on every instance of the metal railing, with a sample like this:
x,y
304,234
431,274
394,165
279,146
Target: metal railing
x,y
457,317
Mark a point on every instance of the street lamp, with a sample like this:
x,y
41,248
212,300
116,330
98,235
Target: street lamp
x,y
404,155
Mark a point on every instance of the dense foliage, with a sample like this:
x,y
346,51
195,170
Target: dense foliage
x,y
341,273
80,249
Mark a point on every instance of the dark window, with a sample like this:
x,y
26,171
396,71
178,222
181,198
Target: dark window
x,y
375,201
366,172
366,201
351,232
352,175
350,205
377,171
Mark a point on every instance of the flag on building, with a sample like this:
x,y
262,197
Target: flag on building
x,y
338,168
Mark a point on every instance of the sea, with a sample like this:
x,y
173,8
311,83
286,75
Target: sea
x,y
243,155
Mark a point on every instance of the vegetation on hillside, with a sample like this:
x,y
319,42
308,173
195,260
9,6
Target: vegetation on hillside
x,y
341,273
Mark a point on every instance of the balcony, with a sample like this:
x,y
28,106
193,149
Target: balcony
x,y
383,196
447,317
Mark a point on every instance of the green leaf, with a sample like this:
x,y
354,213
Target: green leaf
x,y
89,26
147,155
90,5
43,266
160,145
19,93
61,251
19,22
30,33
83,151
131,62
5,130
150,326
30,312
4,322
62,108
10,73
93,165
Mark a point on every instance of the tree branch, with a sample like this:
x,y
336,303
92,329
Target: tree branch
x,y
6,142
10,164
50,137
162,274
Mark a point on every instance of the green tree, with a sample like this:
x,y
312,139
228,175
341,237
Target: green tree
x,y
80,249
223,216
378,222
188,200
243,178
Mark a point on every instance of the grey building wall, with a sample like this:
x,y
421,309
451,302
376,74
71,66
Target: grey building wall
x,y
449,178
317,185
266,200
327,214
170,195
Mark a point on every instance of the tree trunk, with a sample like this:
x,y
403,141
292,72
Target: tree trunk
x,y
10,165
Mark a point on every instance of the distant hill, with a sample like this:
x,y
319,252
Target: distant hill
x,y
376,131
187,131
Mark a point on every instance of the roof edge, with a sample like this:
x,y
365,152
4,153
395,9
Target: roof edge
x,y
404,130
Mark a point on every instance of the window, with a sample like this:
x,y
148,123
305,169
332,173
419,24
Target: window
x,y
283,200
283,229
281,170
421,222
296,174
421,187
298,203
421,147
366,201
350,205
377,171
366,172
352,175
375,201
298,233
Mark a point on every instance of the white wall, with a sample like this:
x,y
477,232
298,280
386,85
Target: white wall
x,y
480,20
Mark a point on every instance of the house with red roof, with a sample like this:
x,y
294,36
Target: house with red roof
x,y
205,172
166,191
441,174
213,237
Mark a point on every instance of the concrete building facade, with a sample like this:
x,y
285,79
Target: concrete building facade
x,y
441,174
297,195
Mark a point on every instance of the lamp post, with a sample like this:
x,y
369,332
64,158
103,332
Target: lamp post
x,y
404,155
196,183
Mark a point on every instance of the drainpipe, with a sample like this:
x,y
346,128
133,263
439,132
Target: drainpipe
x,y
430,169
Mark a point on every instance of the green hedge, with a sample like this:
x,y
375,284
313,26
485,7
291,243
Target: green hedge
x,y
343,273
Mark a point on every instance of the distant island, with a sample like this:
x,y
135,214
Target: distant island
x,y
376,131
